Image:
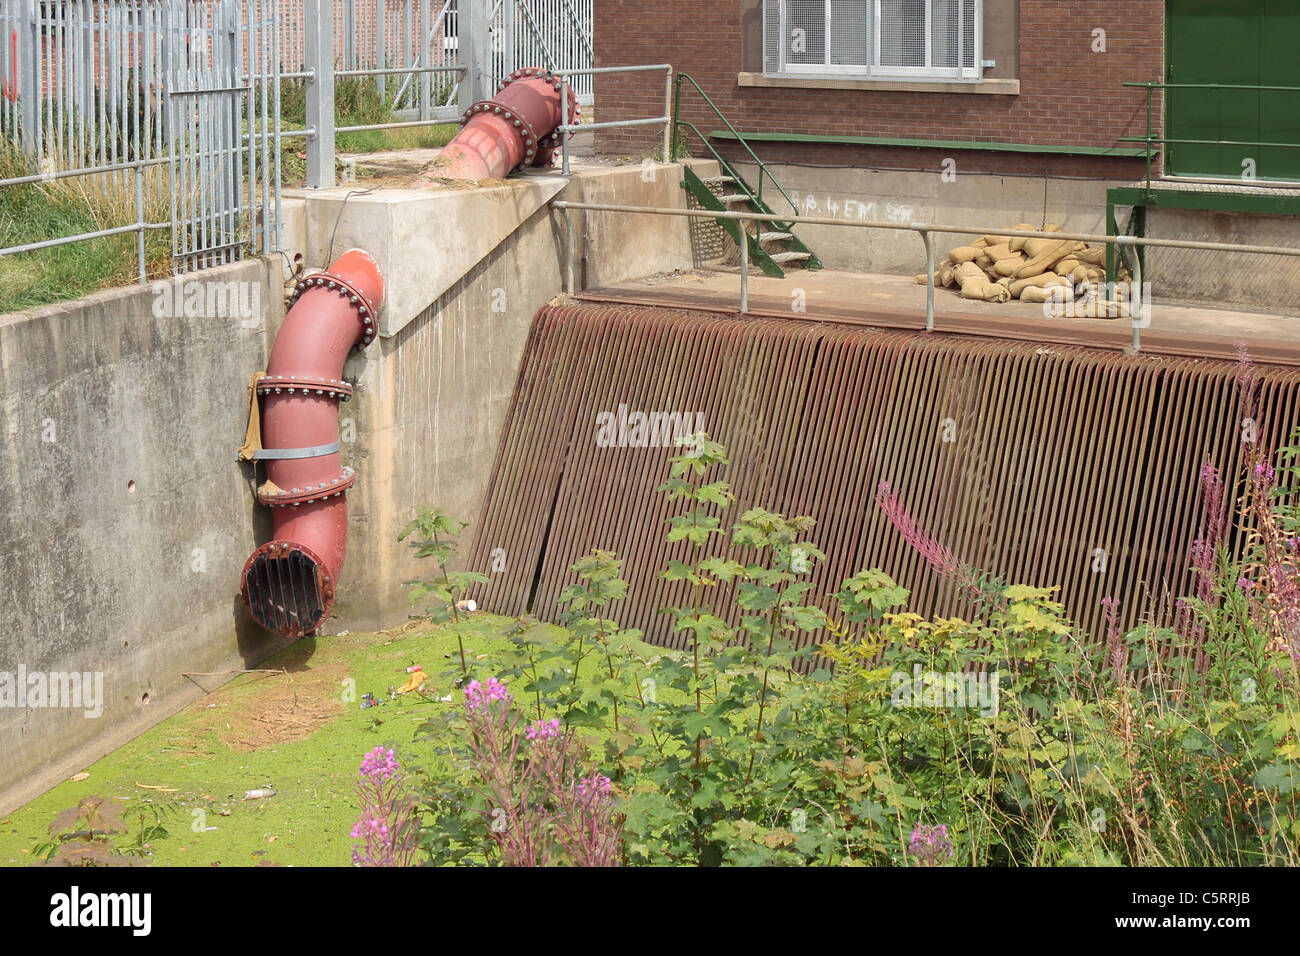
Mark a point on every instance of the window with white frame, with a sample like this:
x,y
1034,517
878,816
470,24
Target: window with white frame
x,y
873,39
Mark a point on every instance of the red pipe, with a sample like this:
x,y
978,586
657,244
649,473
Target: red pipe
x,y
289,583
516,128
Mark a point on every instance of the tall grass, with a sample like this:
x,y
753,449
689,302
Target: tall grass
x,y
36,212
357,102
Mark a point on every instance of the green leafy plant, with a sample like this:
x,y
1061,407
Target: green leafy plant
x,y
88,834
870,735
435,534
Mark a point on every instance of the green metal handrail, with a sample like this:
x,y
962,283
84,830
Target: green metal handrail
x,y
1150,85
676,140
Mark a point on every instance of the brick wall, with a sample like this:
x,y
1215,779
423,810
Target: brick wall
x,y
1069,95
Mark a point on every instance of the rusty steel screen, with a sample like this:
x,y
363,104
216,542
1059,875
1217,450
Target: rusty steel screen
x,y
1042,465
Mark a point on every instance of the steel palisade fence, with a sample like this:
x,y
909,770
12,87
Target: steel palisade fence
x,y
188,95
111,89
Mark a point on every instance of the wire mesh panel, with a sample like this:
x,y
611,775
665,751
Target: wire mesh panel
x,y
805,32
903,33
919,38
850,33
970,28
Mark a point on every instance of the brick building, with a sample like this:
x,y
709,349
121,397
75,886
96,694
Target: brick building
x,y
869,101
1033,74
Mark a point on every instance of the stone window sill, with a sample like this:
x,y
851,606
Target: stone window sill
x,y
995,87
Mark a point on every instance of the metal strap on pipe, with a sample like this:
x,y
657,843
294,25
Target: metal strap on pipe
x,y
313,451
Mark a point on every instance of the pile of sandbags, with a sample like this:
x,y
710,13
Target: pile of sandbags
x,y
1001,268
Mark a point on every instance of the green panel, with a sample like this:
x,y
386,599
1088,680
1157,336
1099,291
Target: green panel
x,y
1241,42
1280,111
976,144
1278,203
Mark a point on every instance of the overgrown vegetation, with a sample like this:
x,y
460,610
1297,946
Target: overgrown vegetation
x,y
1009,739
36,212
357,102
93,833
58,208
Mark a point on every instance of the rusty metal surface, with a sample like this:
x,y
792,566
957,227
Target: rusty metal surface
x,y
1065,465
1114,336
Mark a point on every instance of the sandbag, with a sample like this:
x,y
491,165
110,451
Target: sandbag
x,y
1018,242
965,254
1042,280
976,285
1045,257
1008,266
1053,293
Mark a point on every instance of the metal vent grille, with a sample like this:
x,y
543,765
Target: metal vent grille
x,y
1047,466
282,590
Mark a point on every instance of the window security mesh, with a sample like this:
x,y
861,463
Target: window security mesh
x,y
901,37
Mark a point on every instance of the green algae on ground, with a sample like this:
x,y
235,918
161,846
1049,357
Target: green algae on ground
x,y
300,733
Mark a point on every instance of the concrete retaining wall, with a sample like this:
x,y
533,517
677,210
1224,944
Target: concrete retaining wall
x,y
965,198
123,516
432,397
125,521
1231,280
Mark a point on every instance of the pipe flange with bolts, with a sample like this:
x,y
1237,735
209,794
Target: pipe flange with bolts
x,y
289,584
514,129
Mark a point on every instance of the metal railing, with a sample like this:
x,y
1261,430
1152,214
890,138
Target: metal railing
x,y
92,87
566,127
1152,140
139,227
478,42
105,89
926,232
678,122
356,39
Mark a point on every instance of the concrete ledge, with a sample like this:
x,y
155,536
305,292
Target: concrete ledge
x,y
425,240
428,240
994,87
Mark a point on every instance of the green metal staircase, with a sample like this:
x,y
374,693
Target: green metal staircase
x,y
772,243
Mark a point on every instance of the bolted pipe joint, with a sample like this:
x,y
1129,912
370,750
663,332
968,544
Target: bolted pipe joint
x,y
513,130
288,584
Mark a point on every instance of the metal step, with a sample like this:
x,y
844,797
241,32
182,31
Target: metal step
x,y
774,236
791,256
717,180
734,197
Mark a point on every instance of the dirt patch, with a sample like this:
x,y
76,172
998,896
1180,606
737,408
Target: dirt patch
x,y
284,708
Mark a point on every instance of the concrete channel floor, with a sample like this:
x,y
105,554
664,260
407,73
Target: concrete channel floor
x,y
892,301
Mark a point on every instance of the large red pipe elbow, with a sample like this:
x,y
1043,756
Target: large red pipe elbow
x,y
289,583
513,129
